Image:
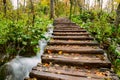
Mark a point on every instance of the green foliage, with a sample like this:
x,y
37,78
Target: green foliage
x,y
17,34
100,25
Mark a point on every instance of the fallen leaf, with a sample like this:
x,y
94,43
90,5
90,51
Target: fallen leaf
x,y
88,77
46,65
76,58
58,72
34,79
99,73
88,71
66,54
50,56
60,52
49,51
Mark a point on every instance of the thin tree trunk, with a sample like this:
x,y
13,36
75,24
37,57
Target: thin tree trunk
x,y
32,11
75,5
117,21
80,6
5,5
88,5
17,10
71,5
24,6
101,4
51,9
112,3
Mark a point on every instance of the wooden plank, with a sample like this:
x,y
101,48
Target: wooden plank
x,y
69,30
63,23
80,51
52,76
73,37
81,72
90,63
73,43
70,34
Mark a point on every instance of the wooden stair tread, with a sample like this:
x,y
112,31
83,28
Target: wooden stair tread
x,y
69,30
77,49
53,76
73,37
80,72
78,62
72,43
72,33
68,27
78,57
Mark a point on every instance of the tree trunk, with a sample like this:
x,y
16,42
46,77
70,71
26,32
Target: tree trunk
x,y
112,3
80,6
32,11
5,5
117,21
24,6
71,5
101,4
17,10
75,5
51,9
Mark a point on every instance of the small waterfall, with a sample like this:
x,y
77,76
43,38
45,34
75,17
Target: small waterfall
x,y
20,67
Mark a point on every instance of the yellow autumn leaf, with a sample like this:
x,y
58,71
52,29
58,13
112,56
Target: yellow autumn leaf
x,y
34,79
117,1
46,65
49,51
60,52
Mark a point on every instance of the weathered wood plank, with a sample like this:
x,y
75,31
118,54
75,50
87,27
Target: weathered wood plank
x,y
73,37
52,76
78,62
73,43
69,30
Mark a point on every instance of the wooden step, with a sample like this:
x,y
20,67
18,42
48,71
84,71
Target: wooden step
x,y
67,27
69,30
73,37
63,23
53,76
70,34
58,72
77,61
64,26
55,42
69,49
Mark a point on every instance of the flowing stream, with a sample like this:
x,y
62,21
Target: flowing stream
x,y
20,67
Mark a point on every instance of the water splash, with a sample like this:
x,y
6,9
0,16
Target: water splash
x,y
20,67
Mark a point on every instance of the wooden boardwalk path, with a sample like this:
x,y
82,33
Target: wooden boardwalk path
x,y
72,54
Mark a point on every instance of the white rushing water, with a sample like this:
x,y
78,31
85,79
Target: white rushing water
x,y
20,67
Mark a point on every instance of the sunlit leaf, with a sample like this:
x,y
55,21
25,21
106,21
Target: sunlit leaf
x,y
60,52
49,51
76,58
46,65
